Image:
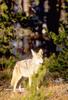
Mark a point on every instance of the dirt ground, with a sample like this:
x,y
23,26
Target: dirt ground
x,y
53,92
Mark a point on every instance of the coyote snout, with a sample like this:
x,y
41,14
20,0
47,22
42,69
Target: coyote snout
x,y
26,68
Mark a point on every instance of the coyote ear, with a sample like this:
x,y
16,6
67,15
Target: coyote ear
x,y
40,52
33,53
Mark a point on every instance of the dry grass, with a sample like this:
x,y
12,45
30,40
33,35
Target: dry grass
x,y
52,92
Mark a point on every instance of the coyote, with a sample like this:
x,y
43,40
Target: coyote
x,y
26,68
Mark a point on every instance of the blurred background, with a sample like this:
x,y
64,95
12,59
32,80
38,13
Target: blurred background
x,y
34,24
26,24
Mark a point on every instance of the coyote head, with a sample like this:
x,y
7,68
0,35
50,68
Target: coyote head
x,y
38,57
37,60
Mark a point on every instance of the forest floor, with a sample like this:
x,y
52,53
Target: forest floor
x,y
56,91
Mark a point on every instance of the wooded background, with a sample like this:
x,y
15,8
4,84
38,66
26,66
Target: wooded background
x,y
26,24
35,24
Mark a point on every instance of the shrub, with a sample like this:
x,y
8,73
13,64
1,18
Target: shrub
x,y
59,64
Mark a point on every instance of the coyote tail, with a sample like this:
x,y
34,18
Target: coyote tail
x,y
13,79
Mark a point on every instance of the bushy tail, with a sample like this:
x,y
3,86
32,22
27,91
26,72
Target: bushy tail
x,y
13,79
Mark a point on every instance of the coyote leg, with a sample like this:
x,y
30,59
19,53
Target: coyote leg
x,y
20,88
15,85
30,81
